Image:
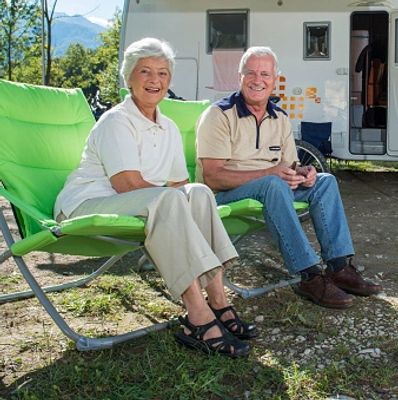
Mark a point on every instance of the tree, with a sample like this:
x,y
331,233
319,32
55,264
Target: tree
x,y
106,60
48,16
93,69
79,67
77,70
31,68
19,25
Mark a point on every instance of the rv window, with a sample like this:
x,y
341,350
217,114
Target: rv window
x,y
316,40
227,29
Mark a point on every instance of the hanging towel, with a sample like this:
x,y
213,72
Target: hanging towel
x,y
225,69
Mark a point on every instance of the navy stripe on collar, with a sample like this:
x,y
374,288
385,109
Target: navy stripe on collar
x,y
236,98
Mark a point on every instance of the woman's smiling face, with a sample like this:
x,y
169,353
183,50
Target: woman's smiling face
x,y
150,80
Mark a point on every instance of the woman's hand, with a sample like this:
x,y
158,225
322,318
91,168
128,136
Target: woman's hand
x,y
176,184
126,181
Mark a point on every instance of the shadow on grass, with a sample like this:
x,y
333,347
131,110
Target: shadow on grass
x,y
3,388
88,265
152,368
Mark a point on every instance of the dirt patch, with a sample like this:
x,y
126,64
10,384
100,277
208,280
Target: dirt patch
x,y
370,200
29,340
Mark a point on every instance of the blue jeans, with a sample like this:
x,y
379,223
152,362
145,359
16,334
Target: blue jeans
x,y
325,208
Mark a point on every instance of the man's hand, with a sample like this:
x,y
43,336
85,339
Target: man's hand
x,y
295,176
309,172
289,175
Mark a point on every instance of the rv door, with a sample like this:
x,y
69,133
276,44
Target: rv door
x,y
392,125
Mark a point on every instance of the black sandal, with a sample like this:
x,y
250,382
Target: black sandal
x,y
226,344
239,328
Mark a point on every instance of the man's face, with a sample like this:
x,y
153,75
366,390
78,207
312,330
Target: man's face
x,y
257,80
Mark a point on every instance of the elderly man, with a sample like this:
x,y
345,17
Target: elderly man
x,y
246,149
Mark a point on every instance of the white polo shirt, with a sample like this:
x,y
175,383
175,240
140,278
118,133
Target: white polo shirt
x,y
123,139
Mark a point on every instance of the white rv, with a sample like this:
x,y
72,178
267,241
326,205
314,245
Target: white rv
x,y
338,59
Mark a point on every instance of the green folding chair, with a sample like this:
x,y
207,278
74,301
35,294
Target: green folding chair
x,y
42,134
245,216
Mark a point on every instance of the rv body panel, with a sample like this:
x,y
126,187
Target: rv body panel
x,y
311,89
392,124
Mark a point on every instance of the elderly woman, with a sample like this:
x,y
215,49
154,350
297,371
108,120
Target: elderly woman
x,y
133,164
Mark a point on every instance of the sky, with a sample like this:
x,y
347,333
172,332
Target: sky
x,y
97,11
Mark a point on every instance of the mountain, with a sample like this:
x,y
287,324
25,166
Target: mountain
x,y
74,29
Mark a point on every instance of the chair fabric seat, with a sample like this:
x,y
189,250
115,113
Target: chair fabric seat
x,y
77,235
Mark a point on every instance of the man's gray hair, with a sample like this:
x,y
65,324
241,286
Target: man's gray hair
x,y
144,48
258,51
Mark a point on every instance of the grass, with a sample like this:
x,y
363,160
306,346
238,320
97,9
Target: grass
x,y
110,296
156,367
365,166
10,280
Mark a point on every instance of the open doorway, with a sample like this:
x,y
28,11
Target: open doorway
x,y
368,82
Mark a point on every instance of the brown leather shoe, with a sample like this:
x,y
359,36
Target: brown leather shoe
x,y
351,281
322,291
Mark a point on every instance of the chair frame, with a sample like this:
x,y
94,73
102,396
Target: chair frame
x,y
83,343
246,292
45,234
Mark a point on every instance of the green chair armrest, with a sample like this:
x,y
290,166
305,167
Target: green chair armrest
x,y
43,219
246,207
224,211
33,243
104,224
251,207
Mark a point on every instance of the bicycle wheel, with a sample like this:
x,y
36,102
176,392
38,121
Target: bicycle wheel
x,y
310,155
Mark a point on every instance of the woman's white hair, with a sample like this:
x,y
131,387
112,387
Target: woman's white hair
x,y
147,47
258,51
